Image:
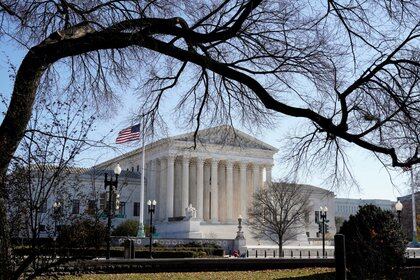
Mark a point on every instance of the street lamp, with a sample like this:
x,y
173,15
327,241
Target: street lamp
x,y
56,213
398,208
151,206
323,216
239,233
113,185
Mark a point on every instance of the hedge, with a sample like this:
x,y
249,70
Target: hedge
x,y
119,253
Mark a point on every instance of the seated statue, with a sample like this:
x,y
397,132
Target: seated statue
x,y
190,212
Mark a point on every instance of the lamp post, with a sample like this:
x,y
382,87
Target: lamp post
x,y
323,216
151,206
239,233
56,213
398,208
113,185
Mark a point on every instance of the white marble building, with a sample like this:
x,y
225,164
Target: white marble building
x,y
350,206
178,175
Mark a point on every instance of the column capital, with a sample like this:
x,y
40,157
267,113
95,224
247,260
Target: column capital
x,y
243,164
185,160
200,160
170,157
255,166
229,164
214,161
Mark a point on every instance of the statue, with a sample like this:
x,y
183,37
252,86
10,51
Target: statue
x,y
190,212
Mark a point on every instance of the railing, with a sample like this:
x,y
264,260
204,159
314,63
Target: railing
x,y
308,253
289,253
413,253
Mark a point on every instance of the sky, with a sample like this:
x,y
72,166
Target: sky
x,y
373,178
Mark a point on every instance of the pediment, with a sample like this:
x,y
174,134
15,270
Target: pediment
x,y
225,135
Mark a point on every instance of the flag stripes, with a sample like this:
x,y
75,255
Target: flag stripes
x,y
128,134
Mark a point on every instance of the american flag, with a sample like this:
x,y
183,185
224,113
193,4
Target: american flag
x,y
128,134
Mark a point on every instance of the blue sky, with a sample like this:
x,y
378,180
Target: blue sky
x,y
372,177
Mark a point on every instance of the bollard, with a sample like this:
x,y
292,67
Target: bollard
x,y
317,254
247,253
256,253
309,254
274,253
291,254
265,253
133,250
300,254
340,257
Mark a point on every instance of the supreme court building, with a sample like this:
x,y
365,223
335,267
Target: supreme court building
x,y
200,187
218,177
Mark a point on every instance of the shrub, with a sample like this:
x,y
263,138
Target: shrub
x,y
375,244
127,228
82,233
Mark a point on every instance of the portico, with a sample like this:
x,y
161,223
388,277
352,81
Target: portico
x,y
218,177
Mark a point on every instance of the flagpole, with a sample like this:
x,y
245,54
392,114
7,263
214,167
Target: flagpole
x,y
413,209
140,232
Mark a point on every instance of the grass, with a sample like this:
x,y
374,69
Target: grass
x,y
296,274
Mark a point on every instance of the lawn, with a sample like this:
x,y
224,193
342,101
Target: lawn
x,y
307,273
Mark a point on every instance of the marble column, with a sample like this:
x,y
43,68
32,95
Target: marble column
x,y
268,169
152,186
170,187
256,177
200,188
214,192
162,190
244,193
229,191
185,184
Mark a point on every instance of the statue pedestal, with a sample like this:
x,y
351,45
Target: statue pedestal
x,y
239,244
180,229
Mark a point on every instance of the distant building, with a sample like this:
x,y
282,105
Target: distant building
x,y
349,206
406,214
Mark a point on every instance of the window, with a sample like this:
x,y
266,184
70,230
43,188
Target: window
x,y
307,218
316,217
132,168
308,234
136,209
122,209
43,207
102,201
138,168
75,208
41,227
91,206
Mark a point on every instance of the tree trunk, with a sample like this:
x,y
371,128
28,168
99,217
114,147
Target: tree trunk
x,y
5,264
280,249
11,133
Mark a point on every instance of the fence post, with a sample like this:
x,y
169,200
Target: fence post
x,y
300,254
309,254
265,253
256,253
291,254
274,253
340,257
247,253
